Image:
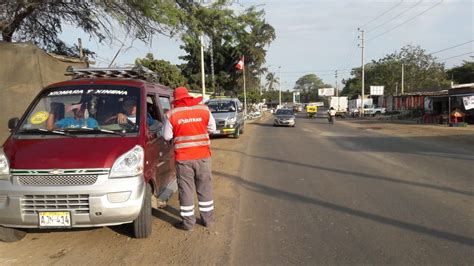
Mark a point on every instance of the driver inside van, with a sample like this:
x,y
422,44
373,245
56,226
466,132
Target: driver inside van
x,y
79,120
130,114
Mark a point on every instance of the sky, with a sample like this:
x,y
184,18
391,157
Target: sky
x,y
319,37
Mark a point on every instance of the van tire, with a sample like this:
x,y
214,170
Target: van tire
x,y
142,225
241,130
11,234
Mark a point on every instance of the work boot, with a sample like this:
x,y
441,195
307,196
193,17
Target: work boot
x,y
182,226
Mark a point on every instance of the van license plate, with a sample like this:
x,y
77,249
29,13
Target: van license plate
x,y
54,219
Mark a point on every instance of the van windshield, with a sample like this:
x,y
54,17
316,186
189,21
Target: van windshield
x,y
221,107
83,110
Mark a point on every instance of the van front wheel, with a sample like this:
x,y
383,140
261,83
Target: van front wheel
x,y
142,225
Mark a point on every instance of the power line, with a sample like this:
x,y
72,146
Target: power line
x,y
396,16
383,13
406,21
352,51
445,59
317,71
449,48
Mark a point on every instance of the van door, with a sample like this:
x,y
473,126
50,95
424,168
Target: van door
x,y
155,142
168,148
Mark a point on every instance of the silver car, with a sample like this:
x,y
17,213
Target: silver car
x,y
229,116
284,117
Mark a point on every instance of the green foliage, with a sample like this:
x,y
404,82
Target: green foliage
x,y
422,73
273,96
252,97
271,81
309,82
230,35
308,86
170,75
463,73
41,21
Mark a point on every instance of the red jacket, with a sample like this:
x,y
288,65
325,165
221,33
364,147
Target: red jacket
x,y
190,132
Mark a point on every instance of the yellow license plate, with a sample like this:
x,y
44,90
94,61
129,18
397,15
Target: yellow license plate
x,y
54,219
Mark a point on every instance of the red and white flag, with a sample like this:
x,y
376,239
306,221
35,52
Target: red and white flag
x,y
240,64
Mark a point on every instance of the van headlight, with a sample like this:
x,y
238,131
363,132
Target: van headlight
x,y
4,166
128,164
232,120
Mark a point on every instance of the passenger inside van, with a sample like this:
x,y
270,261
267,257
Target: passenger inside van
x,y
79,120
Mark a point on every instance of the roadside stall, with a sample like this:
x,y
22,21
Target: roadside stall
x,y
461,104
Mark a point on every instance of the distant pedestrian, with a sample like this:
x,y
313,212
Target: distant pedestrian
x,y
188,124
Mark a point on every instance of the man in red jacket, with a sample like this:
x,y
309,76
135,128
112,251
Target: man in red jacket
x,y
188,124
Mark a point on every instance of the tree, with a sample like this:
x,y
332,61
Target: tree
x,y
231,36
252,97
421,73
308,85
170,75
462,74
272,80
308,82
41,21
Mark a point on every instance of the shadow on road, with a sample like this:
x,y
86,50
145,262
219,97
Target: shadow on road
x,y
277,193
412,145
167,214
357,174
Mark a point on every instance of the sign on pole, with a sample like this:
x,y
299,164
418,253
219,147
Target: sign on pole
x,y
376,90
326,92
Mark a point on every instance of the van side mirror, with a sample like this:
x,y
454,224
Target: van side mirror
x,y
13,123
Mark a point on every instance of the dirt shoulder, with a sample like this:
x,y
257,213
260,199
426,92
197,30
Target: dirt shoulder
x,y
456,136
166,245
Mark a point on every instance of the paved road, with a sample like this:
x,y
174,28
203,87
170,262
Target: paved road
x,y
336,194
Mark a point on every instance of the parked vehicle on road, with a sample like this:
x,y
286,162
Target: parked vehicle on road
x,y
284,117
355,105
340,105
374,111
229,116
88,152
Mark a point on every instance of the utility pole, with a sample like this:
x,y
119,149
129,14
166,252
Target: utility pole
x,y
279,85
403,77
337,94
363,73
203,84
245,91
211,48
81,52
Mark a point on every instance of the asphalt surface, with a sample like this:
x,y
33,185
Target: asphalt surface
x,y
338,194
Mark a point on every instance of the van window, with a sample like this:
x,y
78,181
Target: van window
x,y
153,110
84,109
165,103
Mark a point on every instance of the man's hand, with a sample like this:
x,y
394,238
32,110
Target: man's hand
x,y
122,118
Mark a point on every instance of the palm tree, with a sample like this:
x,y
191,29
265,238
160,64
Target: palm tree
x,y
271,81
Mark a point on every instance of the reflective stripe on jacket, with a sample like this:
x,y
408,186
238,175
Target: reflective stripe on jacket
x,y
190,132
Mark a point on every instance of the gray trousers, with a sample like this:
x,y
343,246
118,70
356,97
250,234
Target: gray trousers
x,y
195,176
